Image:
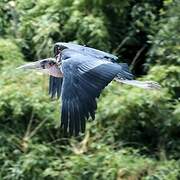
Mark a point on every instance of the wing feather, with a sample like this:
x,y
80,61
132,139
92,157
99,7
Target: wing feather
x,y
84,79
55,84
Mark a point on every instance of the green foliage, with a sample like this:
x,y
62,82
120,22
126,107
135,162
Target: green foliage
x,y
10,53
166,170
166,47
140,118
136,132
6,15
20,98
42,162
98,23
168,77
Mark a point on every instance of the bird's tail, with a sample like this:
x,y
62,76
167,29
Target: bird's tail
x,y
141,84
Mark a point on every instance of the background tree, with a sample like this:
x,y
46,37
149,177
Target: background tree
x,y
136,132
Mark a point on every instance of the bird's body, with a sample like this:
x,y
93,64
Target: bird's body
x,y
78,75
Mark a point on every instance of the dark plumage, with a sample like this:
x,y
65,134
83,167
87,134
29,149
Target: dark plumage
x,y
84,77
78,74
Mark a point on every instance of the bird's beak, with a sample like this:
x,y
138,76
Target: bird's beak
x,y
33,65
38,65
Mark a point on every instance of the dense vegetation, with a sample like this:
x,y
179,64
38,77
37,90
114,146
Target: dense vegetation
x,y
136,134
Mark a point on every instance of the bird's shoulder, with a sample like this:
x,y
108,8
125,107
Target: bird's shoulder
x,y
75,56
89,51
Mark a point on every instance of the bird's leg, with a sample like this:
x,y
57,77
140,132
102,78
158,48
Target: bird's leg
x,y
141,84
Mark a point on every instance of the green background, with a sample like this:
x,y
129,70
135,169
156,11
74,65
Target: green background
x,y
136,134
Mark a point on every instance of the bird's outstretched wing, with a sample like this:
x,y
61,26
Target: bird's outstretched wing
x,y
55,84
84,79
88,51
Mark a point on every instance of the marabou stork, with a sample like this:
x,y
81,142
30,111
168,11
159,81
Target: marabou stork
x,y
78,74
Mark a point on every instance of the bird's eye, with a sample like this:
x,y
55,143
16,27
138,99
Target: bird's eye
x,y
43,63
51,63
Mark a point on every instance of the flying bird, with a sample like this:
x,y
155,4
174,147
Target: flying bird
x,y
78,74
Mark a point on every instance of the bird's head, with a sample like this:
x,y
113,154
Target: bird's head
x,y
46,66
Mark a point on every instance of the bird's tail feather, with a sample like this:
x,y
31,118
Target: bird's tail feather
x,y
141,84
